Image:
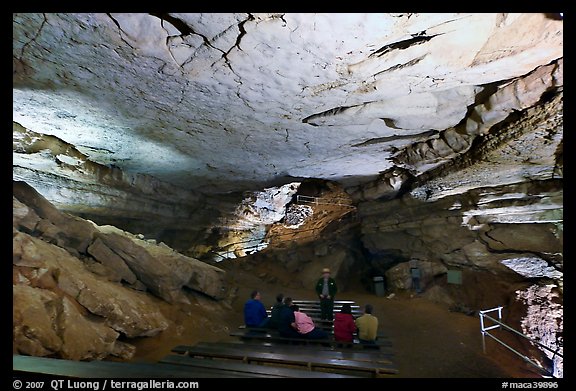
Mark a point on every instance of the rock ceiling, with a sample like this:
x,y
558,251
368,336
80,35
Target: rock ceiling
x,y
231,101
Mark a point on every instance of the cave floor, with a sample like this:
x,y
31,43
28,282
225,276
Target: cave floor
x,y
429,340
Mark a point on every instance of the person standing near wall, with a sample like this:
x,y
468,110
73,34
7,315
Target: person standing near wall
x,y
326,290
415,275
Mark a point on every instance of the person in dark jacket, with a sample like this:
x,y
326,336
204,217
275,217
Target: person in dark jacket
x,y
287,324
254,311
274,319
344,326
326,290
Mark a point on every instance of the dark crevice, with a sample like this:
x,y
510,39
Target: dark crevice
x,y
331,112
227,61
483,96
390,123
240,36
95,148
184,30
380,140
400,66
548,96
558,170
33,39
180,25
555,16
417,39
120,30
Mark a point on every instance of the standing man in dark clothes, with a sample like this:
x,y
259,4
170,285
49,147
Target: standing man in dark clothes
x,y
287,325
326,289
415,275
254,311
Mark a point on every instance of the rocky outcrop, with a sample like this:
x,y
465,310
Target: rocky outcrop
x,y
47,266
475,230
78,287
161,269
543,322
124,257
64,230
494,138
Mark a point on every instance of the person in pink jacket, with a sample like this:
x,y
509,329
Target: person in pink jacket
x,y
305,325
344,326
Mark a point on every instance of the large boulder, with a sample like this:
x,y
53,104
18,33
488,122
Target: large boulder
x,y
200,276
160,268
33,321
23,218
111,260
63,229
158,277
83,338
398,277
125,310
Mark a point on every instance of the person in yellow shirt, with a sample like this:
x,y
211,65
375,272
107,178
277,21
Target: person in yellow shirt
x,y
367,325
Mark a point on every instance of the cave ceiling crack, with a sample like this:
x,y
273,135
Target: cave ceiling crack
x,y
33,39
120,30
416,39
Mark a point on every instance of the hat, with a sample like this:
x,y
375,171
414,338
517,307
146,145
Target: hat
x,y
325,270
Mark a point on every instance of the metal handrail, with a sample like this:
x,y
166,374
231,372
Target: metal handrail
x,y
555,352
484,330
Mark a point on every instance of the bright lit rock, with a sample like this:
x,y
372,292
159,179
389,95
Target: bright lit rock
x,y
532,268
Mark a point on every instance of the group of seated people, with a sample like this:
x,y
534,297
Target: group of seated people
x,y
290,322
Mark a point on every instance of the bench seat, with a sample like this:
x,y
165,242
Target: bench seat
x,y
113,369
294,357
336,353
245,368
273,335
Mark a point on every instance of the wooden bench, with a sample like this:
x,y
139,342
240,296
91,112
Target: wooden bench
x,y
335,353
384,351
336,302
273,335
329,330
292,357
112,369
246,368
